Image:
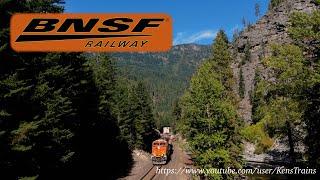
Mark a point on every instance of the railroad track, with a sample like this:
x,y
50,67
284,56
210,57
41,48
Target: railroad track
x,y
151,173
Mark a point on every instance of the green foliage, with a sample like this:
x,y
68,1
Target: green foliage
x,y
259,98
275,3
311,118
262,53
176,114
104,74
254,133
29,178
304,28
247,54
258,135
134,113
241,84
264,145
208,115
288,66
222,58
276,102
282,110
44,99
290,97
144,121
127,100
305,32
165,75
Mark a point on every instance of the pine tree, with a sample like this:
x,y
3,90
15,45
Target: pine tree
x,y
241,84
283,109
21,119
274,3
208,113
44,99
222,59
244,22
176,114
106,125
258,99
291,97
304,31
144,118
124,111
134,113
257,9
247,53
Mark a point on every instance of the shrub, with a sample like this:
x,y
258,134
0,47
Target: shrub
x,y
265,143
256,134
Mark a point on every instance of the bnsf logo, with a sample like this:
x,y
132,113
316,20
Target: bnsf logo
x,y
91,32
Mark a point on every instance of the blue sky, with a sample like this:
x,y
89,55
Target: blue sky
x,y
194,21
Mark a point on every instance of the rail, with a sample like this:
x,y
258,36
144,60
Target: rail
x,y
150,174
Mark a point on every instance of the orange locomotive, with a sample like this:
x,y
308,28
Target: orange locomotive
x,y
160,151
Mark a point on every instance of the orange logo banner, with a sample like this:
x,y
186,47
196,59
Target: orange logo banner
x,y
91,32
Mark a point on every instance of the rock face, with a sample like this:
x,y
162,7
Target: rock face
x,y
270,29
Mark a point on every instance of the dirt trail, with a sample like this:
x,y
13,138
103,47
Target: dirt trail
x,y
142,164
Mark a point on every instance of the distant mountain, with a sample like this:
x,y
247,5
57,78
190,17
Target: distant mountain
x,y
166,75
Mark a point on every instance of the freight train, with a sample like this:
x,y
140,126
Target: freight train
x,y
161,149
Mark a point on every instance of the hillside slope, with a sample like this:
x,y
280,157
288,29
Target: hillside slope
x,y
166,75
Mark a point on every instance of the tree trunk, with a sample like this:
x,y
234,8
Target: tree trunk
x,y
291,143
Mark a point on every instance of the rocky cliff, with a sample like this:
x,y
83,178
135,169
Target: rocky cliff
x,y
270,29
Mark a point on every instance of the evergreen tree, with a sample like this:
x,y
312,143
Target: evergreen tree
x,y
291,97
144,121
176,114
283,109
305,32
222,59
105,140
257,9
241,84
247,53
244,22
44,99
134,112
208,113
275,3
258,99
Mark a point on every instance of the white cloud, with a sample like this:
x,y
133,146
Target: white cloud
x,y
184,38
